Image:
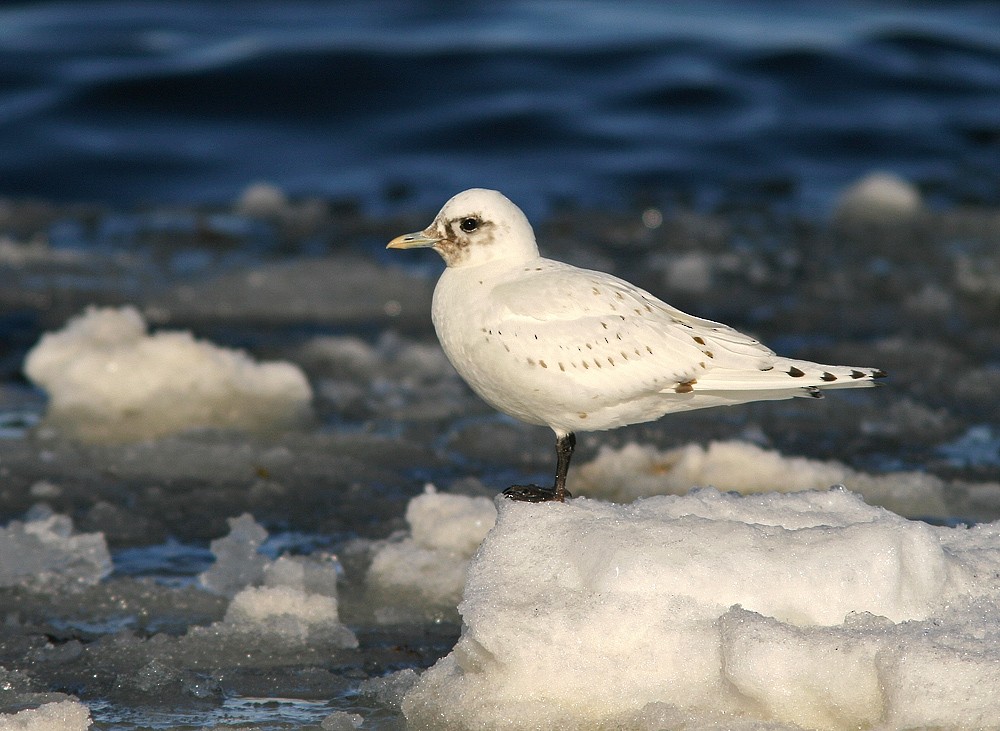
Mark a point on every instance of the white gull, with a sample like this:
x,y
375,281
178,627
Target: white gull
x,y
578,350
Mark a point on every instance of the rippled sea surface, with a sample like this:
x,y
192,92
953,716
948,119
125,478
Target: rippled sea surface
x,y
696,148
602,101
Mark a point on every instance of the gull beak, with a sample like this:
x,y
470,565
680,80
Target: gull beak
x,y
416,240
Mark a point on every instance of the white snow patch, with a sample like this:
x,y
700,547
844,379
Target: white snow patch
x,y
109,380
61,716
799,610
45,554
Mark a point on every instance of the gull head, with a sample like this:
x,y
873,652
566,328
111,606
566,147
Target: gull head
x,y
475,227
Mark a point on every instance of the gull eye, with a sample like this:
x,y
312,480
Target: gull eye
x,y
469,224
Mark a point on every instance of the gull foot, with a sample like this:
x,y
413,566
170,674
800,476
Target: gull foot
x,y
533,494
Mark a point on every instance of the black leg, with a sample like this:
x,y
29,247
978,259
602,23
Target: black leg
x,y
564,453
558,492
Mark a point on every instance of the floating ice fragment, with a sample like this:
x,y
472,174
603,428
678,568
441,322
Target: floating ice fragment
x,y
878,197
291,614
428,566
44,553
689,272
341,721
291,597
238,562
262,200
258,604
108,380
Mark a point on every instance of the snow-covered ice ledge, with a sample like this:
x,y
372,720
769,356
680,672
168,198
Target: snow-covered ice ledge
x,y
806,610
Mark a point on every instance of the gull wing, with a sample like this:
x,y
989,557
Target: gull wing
x,y
580,321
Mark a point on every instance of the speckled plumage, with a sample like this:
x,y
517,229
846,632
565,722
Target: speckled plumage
x,y
579,350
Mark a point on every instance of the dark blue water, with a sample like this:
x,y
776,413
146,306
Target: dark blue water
x,y
597,101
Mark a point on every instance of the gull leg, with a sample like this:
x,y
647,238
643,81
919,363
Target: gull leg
x,y
565,444
564,453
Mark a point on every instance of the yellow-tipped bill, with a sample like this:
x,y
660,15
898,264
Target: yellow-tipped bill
x,y
415,240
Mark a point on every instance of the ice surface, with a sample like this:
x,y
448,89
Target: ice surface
x,y
108,380
808,609
43,552
428,566
62,716
637,470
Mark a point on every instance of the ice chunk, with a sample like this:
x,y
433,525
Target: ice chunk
x,y
799,610
878,197
61,716
639,471
108,380
262,200
690,271
429,565
260,604
289,612
341,721
316,573
292,596
452,523
238,562
45,554
303,589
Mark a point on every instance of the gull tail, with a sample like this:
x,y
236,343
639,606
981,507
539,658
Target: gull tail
x,y
793,377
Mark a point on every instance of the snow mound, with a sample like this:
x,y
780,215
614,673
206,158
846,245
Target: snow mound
x,y
109,380
801,610
45,554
